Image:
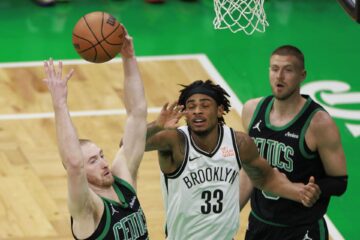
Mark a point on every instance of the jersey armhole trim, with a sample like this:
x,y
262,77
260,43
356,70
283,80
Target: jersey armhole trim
x,y
125,184
107,224
233,136
302,142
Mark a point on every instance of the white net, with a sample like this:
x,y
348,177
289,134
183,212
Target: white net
x,y
240,15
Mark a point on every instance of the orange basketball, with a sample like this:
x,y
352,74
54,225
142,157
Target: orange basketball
x,y
98,37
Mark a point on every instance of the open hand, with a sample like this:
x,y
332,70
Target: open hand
x,y
170,115
55,83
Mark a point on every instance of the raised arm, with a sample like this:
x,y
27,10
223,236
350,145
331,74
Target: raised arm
x,y
81,200
128,158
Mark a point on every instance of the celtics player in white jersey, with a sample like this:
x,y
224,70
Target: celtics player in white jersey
x,y
102,202
200,165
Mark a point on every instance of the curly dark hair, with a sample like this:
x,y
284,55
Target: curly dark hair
x,y
207,87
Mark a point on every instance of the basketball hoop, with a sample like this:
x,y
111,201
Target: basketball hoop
x,y
240,15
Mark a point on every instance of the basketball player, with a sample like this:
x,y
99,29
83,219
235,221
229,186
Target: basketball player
x,y
299,138
200,165
102,202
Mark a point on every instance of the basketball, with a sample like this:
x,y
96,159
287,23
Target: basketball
x,y
98,37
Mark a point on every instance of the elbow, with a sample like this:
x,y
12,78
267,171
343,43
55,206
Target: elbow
x,y
73,165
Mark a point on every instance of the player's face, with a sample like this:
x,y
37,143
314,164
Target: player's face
x,y
286,74
96,166
202,113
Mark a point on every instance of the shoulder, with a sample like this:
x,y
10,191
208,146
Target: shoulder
x,y
248,110
322,121
251,104
323,128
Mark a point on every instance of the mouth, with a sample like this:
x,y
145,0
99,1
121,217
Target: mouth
x,y
198,121
107,173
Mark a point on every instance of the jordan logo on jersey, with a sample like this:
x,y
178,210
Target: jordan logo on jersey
x,y
132,202
113,210
257,126
306,237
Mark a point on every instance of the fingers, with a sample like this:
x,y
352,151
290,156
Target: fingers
x,y
69,75
59,72
311,193
311,179
54,75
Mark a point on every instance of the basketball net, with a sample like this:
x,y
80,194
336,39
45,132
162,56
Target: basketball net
x,y
240,15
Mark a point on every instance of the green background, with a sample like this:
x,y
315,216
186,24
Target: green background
x,y
321,29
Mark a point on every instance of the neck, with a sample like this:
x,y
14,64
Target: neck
x,y
289,106
206,142
103,191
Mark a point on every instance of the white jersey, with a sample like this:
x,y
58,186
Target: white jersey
x,y
202,196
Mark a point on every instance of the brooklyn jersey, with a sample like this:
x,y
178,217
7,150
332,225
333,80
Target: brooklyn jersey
x,y
202,196
125,221
285,148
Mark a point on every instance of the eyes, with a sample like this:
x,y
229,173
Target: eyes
x,y
192,106
93,159
287,69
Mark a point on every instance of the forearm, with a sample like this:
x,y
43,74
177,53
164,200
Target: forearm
x,y
135,102
152,129
284,188
67,138
271,180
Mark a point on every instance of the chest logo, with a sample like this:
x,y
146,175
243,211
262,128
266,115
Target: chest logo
x,y
227,152
257,126
113,210
194,158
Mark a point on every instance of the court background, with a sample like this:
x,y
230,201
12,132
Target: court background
x,y
321,29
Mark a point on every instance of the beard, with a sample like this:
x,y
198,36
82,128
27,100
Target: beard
x,y
284,96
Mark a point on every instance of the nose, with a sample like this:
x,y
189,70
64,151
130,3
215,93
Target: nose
x,y
104,163
197,110
280,74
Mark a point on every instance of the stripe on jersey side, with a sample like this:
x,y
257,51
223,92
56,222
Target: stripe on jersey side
x,y
237,152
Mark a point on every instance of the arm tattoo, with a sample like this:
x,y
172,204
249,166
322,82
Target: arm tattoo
x,y
255,173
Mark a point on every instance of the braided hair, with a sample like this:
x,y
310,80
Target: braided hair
x,y
208,88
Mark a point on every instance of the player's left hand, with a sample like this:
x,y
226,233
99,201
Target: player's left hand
x,y
310,193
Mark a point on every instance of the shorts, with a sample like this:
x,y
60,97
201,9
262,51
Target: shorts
x,y
259,230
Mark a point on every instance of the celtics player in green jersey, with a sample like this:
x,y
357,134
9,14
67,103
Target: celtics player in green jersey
x,y
102,202
200,164
299,138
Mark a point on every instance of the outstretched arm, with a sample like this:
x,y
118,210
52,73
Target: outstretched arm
x,y
81,199
264,177
128,158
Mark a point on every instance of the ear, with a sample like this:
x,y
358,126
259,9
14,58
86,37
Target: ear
x,y
220,111
303,75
